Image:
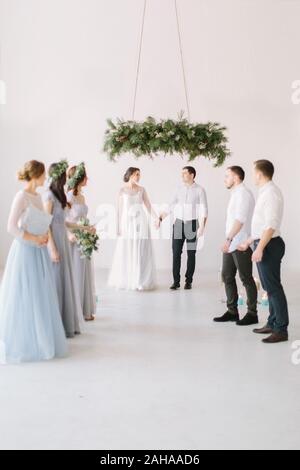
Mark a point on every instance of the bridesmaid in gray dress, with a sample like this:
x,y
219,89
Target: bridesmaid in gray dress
x,y
83,267
55,202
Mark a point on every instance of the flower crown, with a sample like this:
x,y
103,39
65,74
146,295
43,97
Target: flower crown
x,y
78,175
58,170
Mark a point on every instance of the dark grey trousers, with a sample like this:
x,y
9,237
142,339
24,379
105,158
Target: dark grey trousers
x,y
240,262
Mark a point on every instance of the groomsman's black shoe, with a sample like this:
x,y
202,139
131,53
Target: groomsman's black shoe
x,y
248,320
188,286
227,317
276,338
266,330
175,286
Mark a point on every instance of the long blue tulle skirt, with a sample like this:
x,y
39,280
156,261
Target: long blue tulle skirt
x,y
31,328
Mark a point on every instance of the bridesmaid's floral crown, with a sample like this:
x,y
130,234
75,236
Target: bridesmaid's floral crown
x,y
78,175
58,170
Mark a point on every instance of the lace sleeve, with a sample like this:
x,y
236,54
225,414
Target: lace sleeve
x,y
18,207
173,203
148,204
119,211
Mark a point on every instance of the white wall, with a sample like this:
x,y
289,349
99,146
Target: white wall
x,y
70,64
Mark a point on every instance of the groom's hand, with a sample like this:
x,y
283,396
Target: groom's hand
x,y
163,216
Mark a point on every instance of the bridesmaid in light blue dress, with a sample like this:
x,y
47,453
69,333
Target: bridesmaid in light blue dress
x,y
83,267
56,204
31,328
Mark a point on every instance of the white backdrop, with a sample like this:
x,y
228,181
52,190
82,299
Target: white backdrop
x,y
70,64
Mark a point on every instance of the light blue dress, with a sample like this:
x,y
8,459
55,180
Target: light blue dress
x,y
66,283
31,328
83,267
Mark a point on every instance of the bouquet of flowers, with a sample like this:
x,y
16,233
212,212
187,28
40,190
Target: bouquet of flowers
x,y
87,242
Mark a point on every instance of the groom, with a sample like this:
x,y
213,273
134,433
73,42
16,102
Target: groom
x,y
190,209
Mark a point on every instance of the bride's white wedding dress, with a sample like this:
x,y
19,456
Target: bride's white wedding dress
x,y
133,264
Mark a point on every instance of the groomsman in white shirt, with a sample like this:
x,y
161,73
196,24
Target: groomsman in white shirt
x,y
190,210
269,250
238,228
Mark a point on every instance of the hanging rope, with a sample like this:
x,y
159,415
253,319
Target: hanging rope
x,y
140,56
139,60
182,63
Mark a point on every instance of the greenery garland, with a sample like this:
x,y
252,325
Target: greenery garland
x,y
58,170
78,175
153,137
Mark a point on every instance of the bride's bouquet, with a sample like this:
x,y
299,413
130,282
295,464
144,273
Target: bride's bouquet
x,y
87,242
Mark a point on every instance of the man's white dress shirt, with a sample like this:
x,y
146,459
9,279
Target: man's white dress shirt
x,y
240,208
268,211
189,203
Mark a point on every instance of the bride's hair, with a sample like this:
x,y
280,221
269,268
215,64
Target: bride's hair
x,y
129,173
31,170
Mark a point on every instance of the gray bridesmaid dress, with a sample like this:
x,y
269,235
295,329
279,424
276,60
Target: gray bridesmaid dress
x,y
83,267
67,288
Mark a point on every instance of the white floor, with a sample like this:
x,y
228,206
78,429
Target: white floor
x,y
154,372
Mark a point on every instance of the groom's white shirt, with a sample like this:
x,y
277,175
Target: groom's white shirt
x,y
189,203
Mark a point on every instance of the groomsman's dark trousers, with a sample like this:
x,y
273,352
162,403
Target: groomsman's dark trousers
x,y
184,232
270,275
241,262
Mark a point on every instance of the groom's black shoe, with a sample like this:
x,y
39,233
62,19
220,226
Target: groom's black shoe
x,y
227,317
175,286
248,320
188,286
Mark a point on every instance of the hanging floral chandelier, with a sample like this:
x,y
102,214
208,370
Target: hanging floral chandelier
x,y
166,136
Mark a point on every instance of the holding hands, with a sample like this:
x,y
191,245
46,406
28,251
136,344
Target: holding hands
x,y
157,223
160,220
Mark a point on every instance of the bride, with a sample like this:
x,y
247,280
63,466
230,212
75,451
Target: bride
x,y
133,264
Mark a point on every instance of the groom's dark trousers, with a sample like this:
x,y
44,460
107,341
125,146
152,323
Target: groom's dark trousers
x,y
184,232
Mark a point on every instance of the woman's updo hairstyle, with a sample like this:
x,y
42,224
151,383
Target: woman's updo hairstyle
x,y
31,170
129,173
